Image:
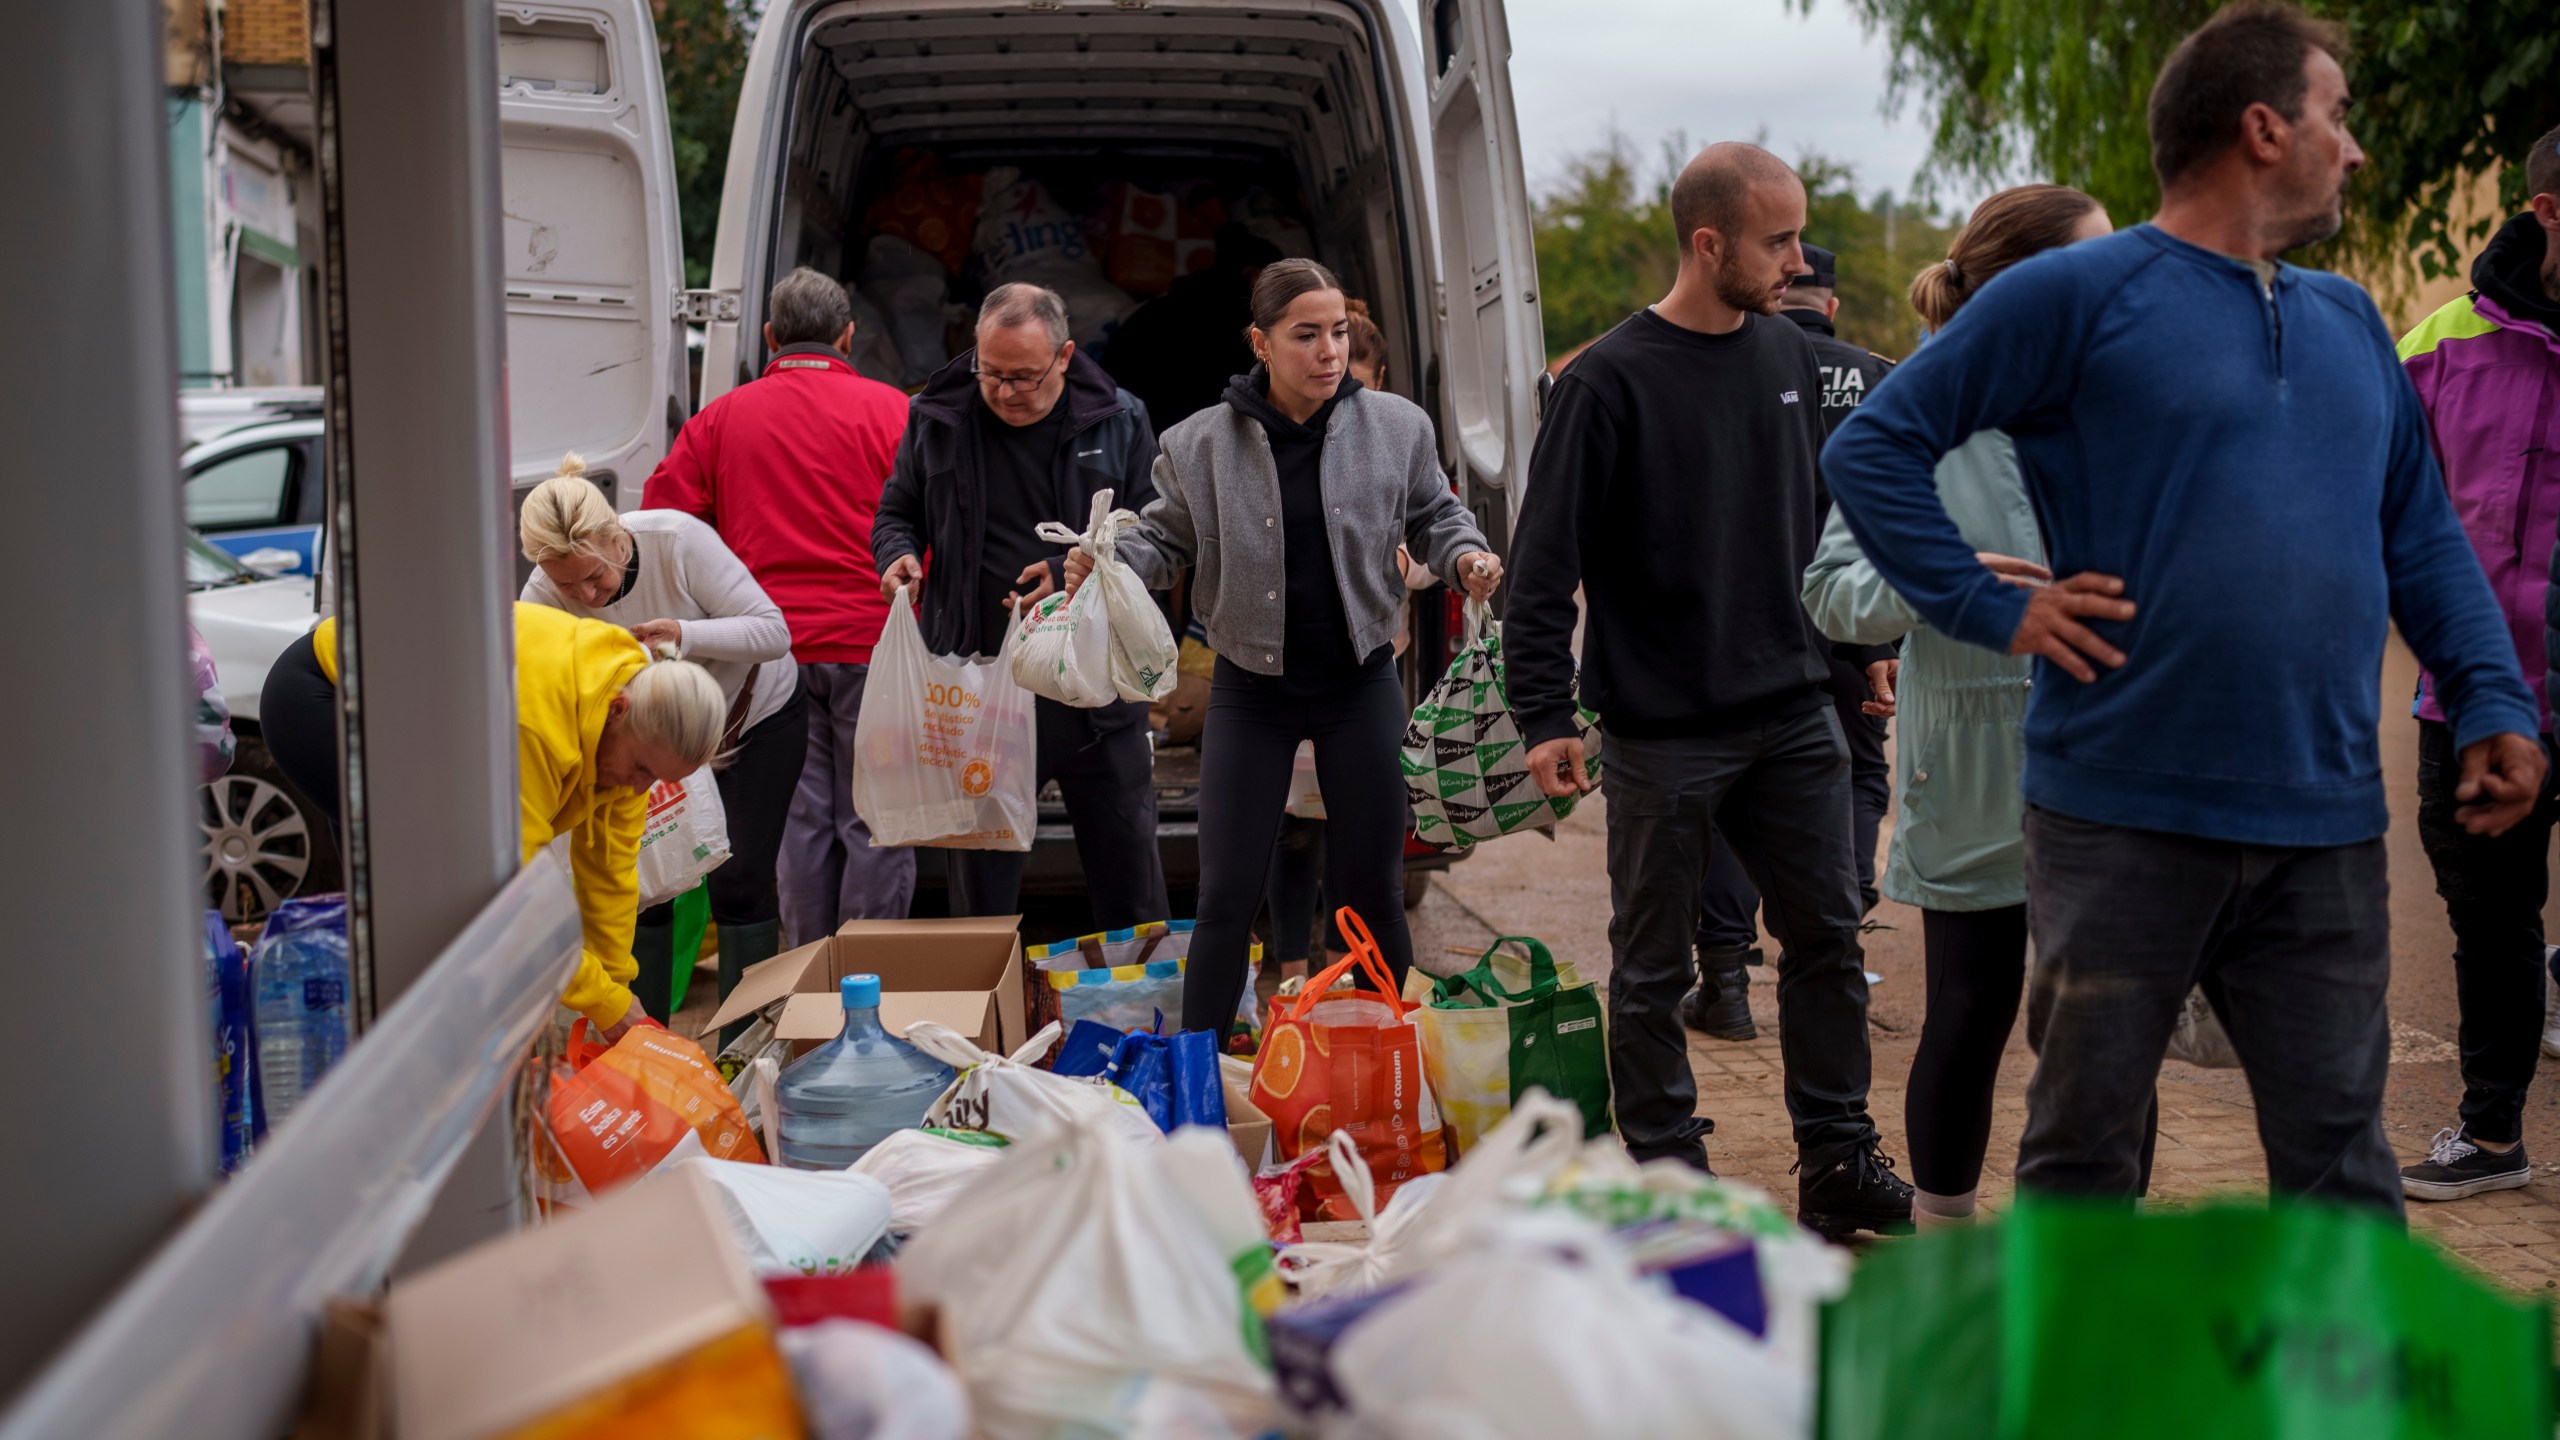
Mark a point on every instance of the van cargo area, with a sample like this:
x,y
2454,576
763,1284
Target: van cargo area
x,y
936,152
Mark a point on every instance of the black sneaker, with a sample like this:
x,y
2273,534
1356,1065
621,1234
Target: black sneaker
x,y
2455,1168
1854,1193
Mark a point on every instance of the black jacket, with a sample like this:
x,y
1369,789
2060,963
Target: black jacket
x,y
935,501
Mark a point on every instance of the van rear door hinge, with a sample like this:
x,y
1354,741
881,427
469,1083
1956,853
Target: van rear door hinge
x,y
702,307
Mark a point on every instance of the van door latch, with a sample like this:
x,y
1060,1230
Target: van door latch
x,y
703,307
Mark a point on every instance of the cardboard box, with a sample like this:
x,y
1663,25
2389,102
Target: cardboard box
x,y
1250,1129
637,1316
966,974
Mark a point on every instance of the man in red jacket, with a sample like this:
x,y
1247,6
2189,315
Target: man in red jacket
x,y
789,470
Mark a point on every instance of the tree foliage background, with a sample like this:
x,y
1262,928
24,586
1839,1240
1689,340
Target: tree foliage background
x,y
2446,91
1606,247
702,50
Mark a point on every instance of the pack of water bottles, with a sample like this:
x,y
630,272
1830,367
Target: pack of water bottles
x,y
300,987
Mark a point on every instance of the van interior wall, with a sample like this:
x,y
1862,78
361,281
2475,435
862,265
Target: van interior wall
x,y
1105,155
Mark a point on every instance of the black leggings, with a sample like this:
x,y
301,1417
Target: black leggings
x,y
298,718
1246,750
755,794
1977,968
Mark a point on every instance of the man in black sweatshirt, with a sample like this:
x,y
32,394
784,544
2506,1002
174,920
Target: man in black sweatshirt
x,y
1674,482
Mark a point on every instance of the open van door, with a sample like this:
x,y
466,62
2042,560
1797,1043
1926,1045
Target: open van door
x,y
1494,343
595,337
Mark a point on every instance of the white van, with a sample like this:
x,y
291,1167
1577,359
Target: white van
x,y
1326,123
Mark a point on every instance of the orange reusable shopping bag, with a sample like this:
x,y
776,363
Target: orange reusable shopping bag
x,y
632,1109
1349,1060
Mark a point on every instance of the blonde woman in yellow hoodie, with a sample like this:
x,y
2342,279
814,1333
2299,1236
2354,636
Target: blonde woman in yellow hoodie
x,y
597,723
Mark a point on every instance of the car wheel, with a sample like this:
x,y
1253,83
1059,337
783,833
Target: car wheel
x,y
262,843
1417,883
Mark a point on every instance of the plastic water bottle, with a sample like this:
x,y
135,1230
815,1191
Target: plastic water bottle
x,y
853,1092
300,983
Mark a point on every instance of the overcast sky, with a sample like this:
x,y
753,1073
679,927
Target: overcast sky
x,y
1715,69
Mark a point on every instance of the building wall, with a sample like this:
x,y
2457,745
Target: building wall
x,y
266,32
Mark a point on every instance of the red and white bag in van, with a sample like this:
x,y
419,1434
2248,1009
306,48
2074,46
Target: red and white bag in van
x,y
944,746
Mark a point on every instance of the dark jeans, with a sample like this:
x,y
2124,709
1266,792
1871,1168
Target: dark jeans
x,y
2493,888
2293,947
755,796
1977,965
1247,749
1779,791
1105,771
828,870
1727,901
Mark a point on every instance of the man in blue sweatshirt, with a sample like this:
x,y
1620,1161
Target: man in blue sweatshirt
x,y
2234,475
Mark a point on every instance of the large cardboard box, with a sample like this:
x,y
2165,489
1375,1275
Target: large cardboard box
x,y
966,974
635,1317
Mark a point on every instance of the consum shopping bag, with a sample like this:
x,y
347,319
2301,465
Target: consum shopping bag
x,y
2291,1321
1349,1060
1485,1044
943,747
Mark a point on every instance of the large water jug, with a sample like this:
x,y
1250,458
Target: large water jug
x,y
856,1090
299,985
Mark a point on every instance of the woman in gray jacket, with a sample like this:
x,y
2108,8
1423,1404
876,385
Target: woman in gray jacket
x,y
1288,501
1959,850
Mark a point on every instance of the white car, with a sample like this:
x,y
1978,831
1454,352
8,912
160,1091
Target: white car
x,y
262,842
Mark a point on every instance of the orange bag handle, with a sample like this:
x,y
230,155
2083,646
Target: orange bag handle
x,y
1365,954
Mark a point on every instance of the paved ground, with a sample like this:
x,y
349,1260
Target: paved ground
x,y
1558,890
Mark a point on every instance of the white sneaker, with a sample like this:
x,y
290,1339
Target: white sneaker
x,y
2550,1005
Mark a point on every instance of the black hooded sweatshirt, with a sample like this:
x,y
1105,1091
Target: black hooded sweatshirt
x,y
1316,630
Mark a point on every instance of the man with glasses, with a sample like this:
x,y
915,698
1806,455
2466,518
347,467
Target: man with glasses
x,y
1018,431
788,468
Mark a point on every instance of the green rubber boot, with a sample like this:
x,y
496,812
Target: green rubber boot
x,y
654,948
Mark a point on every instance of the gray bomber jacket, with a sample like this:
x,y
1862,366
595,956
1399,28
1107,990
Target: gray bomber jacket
x,y
1217,509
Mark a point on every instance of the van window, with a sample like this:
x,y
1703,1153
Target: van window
x,y
241,491
1448,34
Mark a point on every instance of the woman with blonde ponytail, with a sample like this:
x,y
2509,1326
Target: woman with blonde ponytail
x,y
670,581
1959,847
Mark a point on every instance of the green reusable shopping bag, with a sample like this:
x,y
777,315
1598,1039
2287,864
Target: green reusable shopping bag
x,y
1549,1035
1466,768
2272,1323
692,920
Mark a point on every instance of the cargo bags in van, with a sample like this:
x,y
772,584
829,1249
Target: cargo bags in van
x,y
1108,642
1466,768
943,747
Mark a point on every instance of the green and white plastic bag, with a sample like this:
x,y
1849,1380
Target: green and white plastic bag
x,y
1466,769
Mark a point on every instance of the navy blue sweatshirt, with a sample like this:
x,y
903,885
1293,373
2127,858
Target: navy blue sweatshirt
x,y
2254,464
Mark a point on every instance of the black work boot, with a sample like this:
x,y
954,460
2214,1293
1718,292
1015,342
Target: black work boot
x,y
1720,1008
1858,1191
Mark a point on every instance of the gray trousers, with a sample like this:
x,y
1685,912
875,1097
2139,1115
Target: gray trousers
x,y
828,873
2292,946
1779,792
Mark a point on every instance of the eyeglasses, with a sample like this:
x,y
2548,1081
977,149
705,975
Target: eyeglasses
x,y
1008,384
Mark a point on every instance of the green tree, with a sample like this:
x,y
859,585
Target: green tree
x,y
702,50
1606,247
2447,91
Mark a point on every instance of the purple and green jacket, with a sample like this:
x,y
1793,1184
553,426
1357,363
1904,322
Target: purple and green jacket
x,y
2487,368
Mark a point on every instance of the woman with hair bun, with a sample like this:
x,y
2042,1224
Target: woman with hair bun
x,y
671,581
1289,501
1959,847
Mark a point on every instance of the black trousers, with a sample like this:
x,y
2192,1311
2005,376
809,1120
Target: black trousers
x,y
1779,791
1246,751
755,795
1727,901
1977,968
1105,771
2493,888
298,717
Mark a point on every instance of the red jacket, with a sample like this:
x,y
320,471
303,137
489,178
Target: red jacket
x,y
789,470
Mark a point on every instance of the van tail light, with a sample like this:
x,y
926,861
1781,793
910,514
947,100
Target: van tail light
x,y
1455,626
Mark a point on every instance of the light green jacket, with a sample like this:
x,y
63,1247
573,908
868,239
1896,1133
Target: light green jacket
x,y
1961,710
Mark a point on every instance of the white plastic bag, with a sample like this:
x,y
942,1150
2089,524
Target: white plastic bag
x,y
1009,1095
685,837
944,747
861,1382
2199,1038
1085,1294
1110,642
924,1173
798,1222
1546,1331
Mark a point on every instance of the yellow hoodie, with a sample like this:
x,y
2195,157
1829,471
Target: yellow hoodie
x,y
567,672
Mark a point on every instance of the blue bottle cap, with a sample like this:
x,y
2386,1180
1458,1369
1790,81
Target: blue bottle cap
x,y
860,992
